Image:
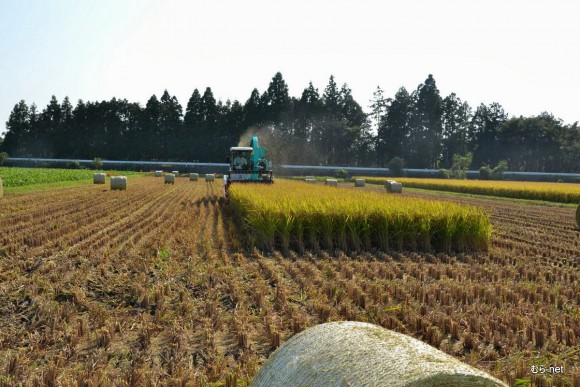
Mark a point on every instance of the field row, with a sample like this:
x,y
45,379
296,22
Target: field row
x,y
152,286
554,192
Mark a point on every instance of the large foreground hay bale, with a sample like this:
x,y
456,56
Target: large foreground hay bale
x,y
193,176
169,178
393,187
359,182
158,173
577,209
350,353
118,183
99,178
331,182
176,173
210,177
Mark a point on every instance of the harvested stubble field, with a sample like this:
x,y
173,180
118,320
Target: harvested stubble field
x,y
152,286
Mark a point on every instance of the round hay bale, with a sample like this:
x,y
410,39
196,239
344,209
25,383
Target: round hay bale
x,y
158,173
309,177
350,353
118,183
169,178
193,176
99,178
359,182
577,209
210,177
331,182
393,187
176,173
311,180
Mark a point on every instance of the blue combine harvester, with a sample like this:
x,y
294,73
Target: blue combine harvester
x,y
248,164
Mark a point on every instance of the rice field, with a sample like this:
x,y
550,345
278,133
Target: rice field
x,y
553,192
293,214
153,286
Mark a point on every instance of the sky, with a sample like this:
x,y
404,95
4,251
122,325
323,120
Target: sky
x,y
523,54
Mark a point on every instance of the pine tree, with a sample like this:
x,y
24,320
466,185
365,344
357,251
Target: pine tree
x,y
331,124
151,127
209,133
485,125
455,120
192,126
277,105
172,144
394,129
253,110
427,125
18,127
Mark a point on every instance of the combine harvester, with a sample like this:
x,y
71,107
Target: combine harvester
x,y
248,165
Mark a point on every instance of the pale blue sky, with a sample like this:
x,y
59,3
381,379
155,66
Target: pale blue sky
x,y
522,54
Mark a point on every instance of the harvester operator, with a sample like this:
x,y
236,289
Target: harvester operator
x,y
240,162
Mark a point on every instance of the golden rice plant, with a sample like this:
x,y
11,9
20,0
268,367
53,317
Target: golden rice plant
x,y
292,214
554,192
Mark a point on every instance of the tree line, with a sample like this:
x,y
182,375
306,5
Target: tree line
x,y
421,127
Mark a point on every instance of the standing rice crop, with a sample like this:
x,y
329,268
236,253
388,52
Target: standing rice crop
x,y
553,192
292,214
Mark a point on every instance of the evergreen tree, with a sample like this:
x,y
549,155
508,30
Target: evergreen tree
x,y
426,127
151,127
44,138
64,137
355,128
277,106
331,124
456,119
484,129
192,126
80,114
394,128
18,128
172,139
253,110
378,106
208,133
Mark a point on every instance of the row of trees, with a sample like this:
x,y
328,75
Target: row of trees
x,y
328,128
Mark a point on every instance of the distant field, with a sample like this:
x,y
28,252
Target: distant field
x,y
553,192
20,177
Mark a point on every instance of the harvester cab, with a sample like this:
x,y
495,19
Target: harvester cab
x,y
248,164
